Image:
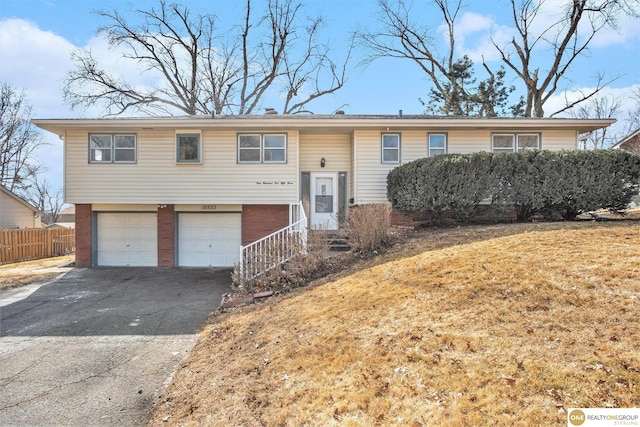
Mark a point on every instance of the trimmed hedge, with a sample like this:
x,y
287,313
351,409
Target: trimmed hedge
x,y
532,182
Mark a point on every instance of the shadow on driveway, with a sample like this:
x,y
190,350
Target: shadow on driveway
x,y
118,301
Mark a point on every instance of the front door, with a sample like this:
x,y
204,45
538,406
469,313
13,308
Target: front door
x,y
324,201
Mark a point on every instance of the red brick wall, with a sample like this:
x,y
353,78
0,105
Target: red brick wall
x,y
83,235
261,220
166,236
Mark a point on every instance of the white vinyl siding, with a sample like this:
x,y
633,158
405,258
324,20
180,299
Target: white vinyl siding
x,y
370,175
14,214
335,149
157,179
127,239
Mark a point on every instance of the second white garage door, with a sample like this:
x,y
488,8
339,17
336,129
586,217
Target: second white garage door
x,y
208,240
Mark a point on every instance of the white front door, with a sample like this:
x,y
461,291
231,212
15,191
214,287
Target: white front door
x,y
324,200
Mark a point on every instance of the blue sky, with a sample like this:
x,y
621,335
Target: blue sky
x,y
37,37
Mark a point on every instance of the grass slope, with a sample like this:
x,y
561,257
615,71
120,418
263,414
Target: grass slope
x,y
506,330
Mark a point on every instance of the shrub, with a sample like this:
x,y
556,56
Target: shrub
x,y
532,182
453,182
520,177
367,227
584,181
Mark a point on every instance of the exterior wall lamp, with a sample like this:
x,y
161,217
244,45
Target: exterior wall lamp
x,y
323,162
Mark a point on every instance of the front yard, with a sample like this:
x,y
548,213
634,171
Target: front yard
x,y
23,273
479,325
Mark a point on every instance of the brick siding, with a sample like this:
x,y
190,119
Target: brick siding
x,y
166,236
83,235
261,220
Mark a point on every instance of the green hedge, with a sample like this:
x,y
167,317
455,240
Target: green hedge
x,y
532,182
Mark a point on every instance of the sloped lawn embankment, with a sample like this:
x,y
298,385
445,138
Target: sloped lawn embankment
x,y
508,330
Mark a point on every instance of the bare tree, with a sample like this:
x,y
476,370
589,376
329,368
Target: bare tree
x,y
633,117
204,68
455,89
598,107
568,37
42,197
18,140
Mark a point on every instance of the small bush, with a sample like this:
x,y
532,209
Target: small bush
x,y
367,227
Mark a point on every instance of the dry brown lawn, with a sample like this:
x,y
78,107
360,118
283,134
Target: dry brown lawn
x,y
484,325
23,273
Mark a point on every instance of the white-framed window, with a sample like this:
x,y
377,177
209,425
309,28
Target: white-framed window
x,y
188,148
112,148
262,148
512,142
437,144
390,143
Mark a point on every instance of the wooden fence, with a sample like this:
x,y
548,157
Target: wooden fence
x,y
35,243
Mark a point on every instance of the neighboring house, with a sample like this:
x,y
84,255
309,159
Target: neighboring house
x,y
630,142
188,191
67,215
66,218
15,212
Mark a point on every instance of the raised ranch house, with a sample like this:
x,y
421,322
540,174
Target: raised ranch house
x,y
189,191
15,212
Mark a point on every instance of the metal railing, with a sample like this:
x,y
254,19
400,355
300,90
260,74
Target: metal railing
x,y
273,250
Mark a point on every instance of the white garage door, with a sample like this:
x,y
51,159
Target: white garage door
x,y
127,239
208,240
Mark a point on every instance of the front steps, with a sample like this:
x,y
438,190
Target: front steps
x,y
336,240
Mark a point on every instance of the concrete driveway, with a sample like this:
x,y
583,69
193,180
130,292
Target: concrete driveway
x,y
97,346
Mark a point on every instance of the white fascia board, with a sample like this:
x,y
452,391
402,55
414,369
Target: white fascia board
x,y
58,126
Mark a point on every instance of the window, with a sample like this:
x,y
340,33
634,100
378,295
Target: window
x,y
437,144
188,148
112,148
515,142
390,148
262,148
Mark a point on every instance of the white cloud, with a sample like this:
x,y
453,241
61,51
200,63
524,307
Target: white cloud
x,y
36,61
620,94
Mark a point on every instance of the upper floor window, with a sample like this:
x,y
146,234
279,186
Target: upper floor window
x,y
390,148
511,142
112,148
188,148
262,148
437,144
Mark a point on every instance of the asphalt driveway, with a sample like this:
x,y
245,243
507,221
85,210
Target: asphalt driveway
x,y
96,346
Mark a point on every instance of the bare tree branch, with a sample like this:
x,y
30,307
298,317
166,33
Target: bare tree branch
x,y
600,107
200,67
18,140
568,38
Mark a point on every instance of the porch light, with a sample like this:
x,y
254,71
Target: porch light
x,y
322,162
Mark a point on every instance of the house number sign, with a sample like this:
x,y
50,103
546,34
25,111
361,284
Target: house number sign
x,y
208,207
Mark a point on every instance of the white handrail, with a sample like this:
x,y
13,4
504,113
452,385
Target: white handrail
x,y
273,250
